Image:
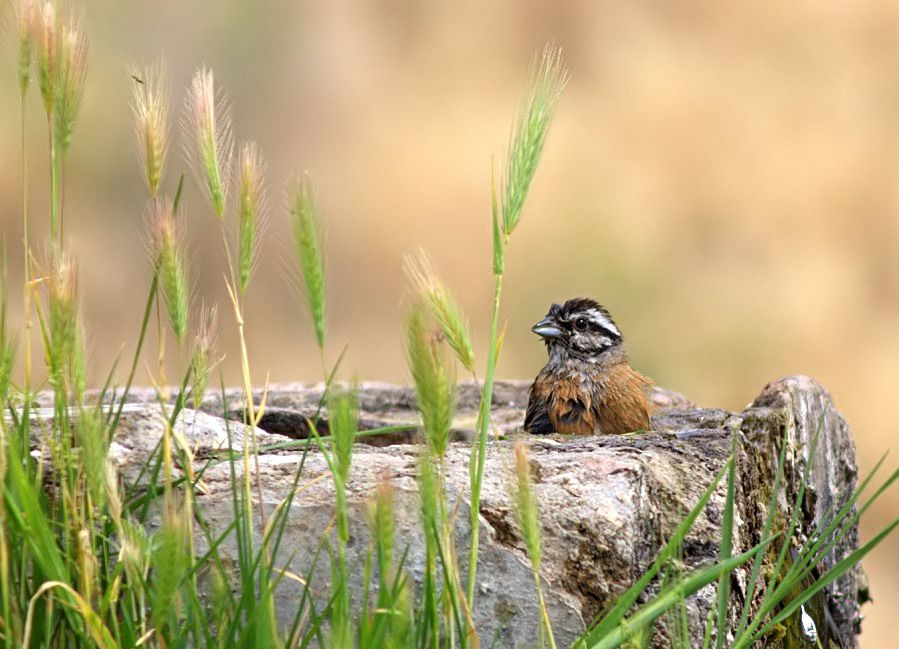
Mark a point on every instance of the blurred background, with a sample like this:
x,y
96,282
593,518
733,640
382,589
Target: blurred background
x,y
723,179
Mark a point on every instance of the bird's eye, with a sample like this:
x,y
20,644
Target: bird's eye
x,y
580,324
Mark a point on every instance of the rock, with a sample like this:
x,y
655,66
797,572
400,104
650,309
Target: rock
x,y
607,503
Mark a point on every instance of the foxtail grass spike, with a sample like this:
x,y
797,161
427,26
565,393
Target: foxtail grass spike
x,y
308,243
150,106
208,136
252,211
443,307
547,80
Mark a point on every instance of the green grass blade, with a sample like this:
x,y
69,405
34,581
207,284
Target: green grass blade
x,y
766,530
727,530
606,621
826,579
649,612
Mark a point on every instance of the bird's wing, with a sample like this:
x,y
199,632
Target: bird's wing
x,y
536,419
622,405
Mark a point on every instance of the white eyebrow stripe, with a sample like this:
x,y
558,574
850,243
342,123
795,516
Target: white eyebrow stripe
x,y
598,318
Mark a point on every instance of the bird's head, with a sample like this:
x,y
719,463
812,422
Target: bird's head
x,y
581,328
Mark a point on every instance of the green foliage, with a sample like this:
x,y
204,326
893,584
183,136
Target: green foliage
x,y
727,531
342,417
614,617
647,614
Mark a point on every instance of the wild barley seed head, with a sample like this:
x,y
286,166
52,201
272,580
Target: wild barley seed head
x,y
71,73
442,305
220,591
171,267
7,344
87,565
7,360
381,517
135,553
343,407
202,361
308,243
90,435
63,310
435,382
46,37
111,491
208,132
402,624
151,112
168,561
548,78
252,210
526,503
27,16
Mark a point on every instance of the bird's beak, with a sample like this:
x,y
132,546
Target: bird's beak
x,y
547,328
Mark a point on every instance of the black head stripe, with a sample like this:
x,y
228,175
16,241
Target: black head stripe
x,y
594,312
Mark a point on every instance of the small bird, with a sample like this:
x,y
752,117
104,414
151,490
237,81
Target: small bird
x,y
588,386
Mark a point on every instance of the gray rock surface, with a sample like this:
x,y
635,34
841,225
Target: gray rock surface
x,y
607,503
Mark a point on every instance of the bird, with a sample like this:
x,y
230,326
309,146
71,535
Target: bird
x,y
587,386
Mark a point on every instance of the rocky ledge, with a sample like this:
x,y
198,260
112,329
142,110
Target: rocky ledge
x,y
607,503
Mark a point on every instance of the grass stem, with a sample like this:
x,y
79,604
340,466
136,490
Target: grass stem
x,y
479,448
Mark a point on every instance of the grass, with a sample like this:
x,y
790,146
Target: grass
x,y
88,559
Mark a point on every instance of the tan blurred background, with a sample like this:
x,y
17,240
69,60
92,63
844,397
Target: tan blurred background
x,y
724,179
